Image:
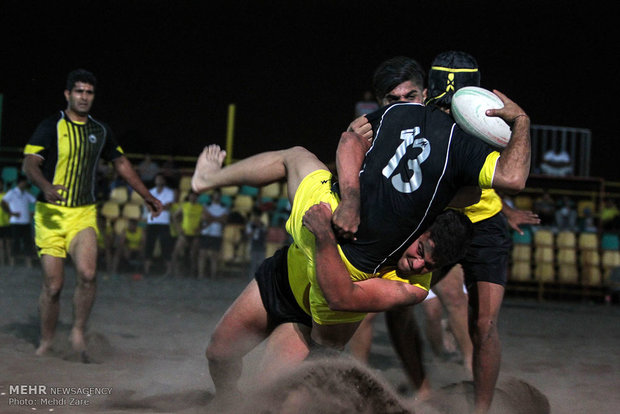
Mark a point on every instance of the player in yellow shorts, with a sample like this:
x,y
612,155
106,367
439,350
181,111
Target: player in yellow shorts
x,y
60,158
394,221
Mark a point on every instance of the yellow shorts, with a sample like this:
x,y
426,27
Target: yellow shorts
x,y
314,188
56,226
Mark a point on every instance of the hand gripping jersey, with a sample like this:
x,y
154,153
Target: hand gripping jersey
x,y
418,161
70,152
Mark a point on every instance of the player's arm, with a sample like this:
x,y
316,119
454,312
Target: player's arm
x,y
513,167
517,217
350,155
125,169
31,166
465,197
373,295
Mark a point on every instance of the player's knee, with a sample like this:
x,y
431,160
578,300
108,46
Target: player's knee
x,y
86,274
433,311
486,328
217,349
455,300
53,287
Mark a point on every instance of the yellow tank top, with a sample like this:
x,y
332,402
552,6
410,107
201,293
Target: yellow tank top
x,y
134,238
192,213
4,216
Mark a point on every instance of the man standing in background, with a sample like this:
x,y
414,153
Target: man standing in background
x,y
60,158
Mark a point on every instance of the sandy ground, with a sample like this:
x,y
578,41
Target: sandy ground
x,y
147,340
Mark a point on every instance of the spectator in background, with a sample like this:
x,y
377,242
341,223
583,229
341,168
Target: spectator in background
x,y
130,245
187,221
158,228
16,203
5,235
147,170
610,215
214,218
544,206
171,172
366,105
556,162
256,232
566,214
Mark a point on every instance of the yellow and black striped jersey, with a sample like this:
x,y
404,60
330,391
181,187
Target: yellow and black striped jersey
x,y
70,152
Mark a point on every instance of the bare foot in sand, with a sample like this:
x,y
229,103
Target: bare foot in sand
x,y
44,346
209,161
77,340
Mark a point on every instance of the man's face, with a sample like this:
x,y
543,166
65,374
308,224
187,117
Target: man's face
x,y
80,98
159,181
405,92
417,259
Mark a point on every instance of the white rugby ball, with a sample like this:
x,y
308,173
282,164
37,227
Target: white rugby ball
x,y
469,105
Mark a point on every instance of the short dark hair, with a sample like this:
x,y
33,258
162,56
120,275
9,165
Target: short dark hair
x,y
395,71
451,232
451,71
80,75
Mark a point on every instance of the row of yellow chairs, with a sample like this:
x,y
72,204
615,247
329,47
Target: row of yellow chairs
x,y
526,202
566,258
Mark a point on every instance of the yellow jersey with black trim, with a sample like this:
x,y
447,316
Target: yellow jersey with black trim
x,y
489,205
70,152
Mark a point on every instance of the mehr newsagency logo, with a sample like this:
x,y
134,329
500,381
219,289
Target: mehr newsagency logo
x,y
40,395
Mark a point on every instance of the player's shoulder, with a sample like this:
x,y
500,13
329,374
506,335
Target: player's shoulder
x,y
98,121
51,120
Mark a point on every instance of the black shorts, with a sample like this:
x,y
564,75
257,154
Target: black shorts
x,y
210,243
488,255
159,232
276,294
23,240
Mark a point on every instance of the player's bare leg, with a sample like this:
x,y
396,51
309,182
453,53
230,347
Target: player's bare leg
x,y
450,292
49,300
361,342
241,329
287,346
83,250
258,170
487,345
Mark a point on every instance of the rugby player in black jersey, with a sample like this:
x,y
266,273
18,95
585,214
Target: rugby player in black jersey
x,y
485,264
508,172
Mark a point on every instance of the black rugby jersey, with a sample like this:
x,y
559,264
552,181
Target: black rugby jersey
x,y
71,152
418,161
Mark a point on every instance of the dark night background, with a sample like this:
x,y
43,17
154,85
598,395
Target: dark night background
x,y
167,70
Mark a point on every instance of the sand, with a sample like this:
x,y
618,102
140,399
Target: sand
x,y
147,340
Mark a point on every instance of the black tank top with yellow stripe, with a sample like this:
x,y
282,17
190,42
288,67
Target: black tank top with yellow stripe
x,y
71,152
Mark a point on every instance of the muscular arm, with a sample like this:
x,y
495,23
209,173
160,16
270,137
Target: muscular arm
x,y
350,155
125,169
513,167
372,295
